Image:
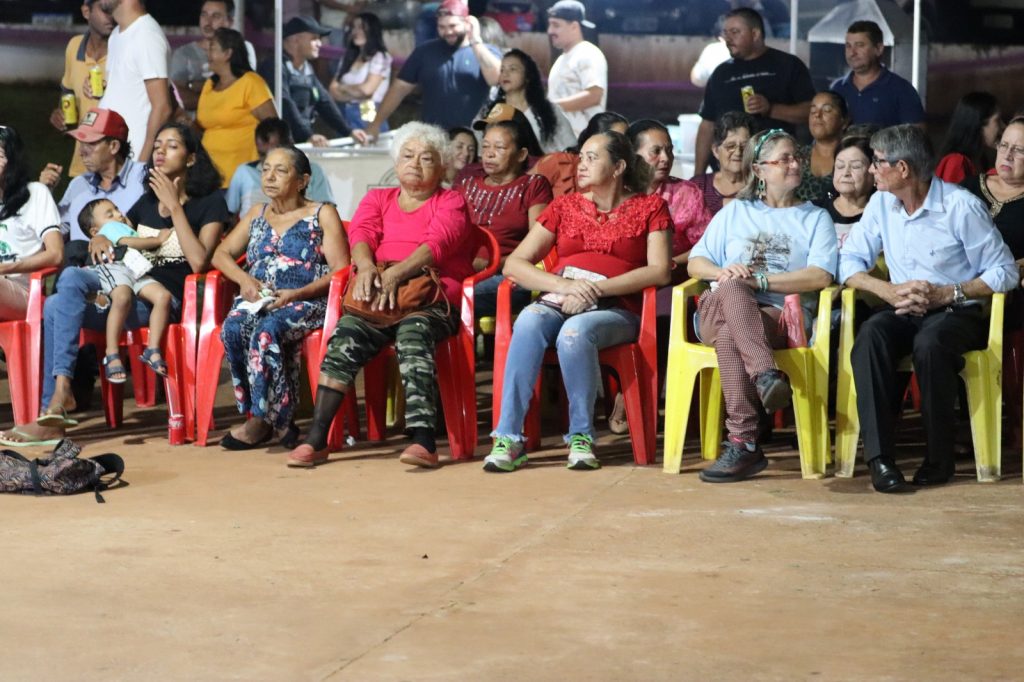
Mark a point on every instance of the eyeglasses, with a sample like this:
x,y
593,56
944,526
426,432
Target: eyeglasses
x,y
734,147
855,166
877,162
1010,151
784,160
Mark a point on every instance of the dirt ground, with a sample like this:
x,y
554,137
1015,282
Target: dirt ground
x,y
212,565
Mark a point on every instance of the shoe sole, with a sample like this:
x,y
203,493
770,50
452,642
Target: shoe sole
x,y
778,396
516,463
757,468
413,460
300,464
584,465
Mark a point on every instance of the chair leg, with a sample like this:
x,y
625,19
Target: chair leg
x,y
986,406
206,391
847,422
712,413
806,409
679,387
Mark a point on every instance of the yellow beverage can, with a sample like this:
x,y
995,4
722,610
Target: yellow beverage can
x,y
746,92
69,107
96,81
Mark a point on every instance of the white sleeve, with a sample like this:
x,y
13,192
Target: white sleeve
x,y
41,212
593,69
153,54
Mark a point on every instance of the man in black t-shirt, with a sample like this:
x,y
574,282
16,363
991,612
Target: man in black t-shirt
x,y
781,83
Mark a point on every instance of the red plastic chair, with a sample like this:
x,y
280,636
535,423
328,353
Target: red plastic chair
x,y
455,357
636,365
22,342
178,354
218,298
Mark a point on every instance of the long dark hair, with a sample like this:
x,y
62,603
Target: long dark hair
x,y
539,103
598,123
14,181
202,178
964,135
230,39
374,42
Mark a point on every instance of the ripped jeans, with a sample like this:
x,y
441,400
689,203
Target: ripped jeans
x,y
577,339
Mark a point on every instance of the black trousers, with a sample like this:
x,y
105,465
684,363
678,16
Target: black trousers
x,y
937,342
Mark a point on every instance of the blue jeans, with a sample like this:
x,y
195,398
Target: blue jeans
x,y
65,314
485,297
577,339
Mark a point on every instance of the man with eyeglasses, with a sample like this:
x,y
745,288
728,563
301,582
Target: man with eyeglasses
x,y
944,257
781,83
874,94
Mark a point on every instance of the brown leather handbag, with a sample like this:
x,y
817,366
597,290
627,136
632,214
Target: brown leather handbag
x,y
414,295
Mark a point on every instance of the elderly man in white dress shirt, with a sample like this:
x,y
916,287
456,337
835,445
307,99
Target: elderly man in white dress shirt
x,y
945,257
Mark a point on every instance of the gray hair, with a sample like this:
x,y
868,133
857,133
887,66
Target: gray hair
x,y
434,137
760,146
907,143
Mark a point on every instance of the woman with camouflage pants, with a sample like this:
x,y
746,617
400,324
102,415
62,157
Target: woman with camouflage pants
x,y
414,225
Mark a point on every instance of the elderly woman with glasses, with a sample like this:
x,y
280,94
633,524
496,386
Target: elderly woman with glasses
x,y
759,248
1003,192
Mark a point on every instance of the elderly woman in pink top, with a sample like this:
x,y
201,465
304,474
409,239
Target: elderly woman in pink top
x,y
411,226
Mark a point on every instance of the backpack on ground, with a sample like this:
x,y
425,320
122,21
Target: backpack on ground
x,y
63,473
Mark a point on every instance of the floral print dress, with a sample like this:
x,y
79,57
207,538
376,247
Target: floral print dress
x,y
264,348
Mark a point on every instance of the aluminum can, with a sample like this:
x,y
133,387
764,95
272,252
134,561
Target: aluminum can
x,y
96,81
69,107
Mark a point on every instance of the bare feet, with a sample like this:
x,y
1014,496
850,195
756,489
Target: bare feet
x,y
29,433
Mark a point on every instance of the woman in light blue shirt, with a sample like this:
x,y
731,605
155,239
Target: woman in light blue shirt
x,y
756,251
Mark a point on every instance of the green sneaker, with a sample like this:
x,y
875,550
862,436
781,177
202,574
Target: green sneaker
x,y
506,455
581,453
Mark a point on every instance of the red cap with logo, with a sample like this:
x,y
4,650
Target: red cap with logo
x,y
98,124
455,8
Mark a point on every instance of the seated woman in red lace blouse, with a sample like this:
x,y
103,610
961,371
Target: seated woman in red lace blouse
x,y
612,241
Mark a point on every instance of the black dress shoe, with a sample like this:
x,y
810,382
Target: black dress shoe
x,y
886,477
933,474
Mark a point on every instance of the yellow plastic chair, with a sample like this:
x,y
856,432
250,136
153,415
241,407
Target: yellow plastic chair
x,y
807,369
982,373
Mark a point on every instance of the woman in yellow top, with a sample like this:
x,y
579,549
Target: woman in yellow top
x,y
233,102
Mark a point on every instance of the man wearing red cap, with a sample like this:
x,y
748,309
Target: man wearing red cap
x,y
110,173
454,71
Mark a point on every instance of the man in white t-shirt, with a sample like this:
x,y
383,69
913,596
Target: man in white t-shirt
x,y
578,81
137,86
190,63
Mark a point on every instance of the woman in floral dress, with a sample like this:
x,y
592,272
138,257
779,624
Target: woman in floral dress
x,y
292,248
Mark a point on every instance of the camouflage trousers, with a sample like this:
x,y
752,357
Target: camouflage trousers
x,y
355,342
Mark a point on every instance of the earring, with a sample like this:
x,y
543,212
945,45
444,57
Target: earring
x,y
761,189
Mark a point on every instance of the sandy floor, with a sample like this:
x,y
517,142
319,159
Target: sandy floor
x,y
228,566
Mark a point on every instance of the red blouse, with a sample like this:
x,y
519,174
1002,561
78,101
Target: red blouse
x,y
610,244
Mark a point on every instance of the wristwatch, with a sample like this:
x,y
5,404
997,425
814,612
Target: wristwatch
x,y
958,294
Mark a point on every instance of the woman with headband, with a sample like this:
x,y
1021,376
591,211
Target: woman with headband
x,y
756,250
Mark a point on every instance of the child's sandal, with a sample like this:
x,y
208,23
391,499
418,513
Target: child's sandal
x,y
159,365
110,370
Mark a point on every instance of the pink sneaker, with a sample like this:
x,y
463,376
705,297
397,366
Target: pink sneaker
x,y
417,455
305,456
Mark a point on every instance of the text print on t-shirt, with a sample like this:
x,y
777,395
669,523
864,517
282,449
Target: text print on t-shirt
x,y
768,252
750,76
